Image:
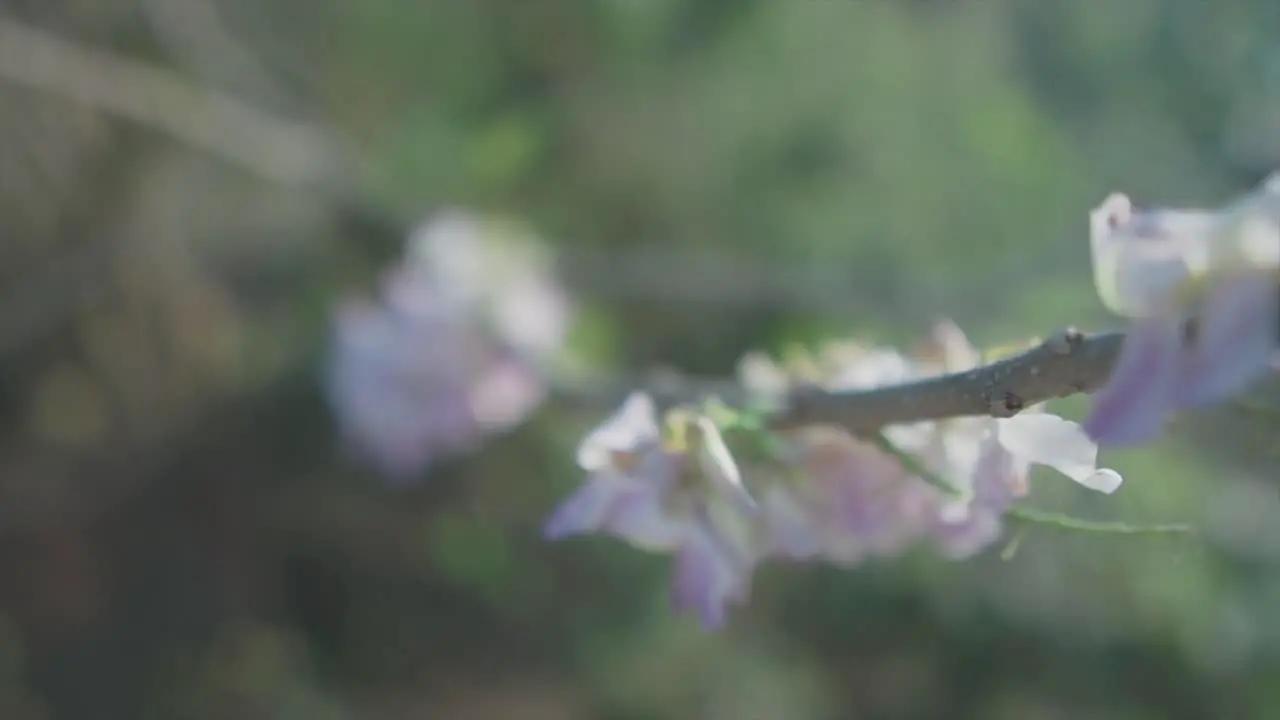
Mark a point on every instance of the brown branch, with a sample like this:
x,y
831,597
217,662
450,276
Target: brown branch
x,y
1065,364
285,151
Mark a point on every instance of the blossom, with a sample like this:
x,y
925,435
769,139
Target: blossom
x,y
1158,266
838,498
989,459
851,500
686,499
846,501
818,494
998,455
451,350
500,272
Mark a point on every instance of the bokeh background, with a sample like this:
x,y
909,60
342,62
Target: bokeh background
x,y
189,188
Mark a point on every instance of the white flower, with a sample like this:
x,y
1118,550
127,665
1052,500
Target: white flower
x,y
687,501
1160,265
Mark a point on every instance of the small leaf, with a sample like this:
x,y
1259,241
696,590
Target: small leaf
x,y
1067,522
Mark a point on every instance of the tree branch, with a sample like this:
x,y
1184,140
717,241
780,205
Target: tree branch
x,y
289,152
1065,364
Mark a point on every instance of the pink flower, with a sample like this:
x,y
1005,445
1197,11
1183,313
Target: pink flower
x,y
1159,267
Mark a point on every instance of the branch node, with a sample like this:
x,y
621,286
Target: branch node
x,y
1065,341
1004,404
1064,363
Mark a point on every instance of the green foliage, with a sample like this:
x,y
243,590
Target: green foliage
x,y
912,162
894,162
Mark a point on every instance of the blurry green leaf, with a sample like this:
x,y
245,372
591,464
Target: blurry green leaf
x,y
503,151
594,335
470,552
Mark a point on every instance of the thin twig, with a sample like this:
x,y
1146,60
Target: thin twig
x,y
1065,364
280,150
195,34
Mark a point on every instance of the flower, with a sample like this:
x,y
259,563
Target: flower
x,y
844,501
397,379
998,472
835,497
500,271
819,493
447,353
989,459
683,498
1158,266
849,499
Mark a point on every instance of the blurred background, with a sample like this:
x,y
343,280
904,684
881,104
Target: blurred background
x,y
217,502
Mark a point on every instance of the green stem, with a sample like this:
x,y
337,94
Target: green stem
x,y
913,465
1066,522
1026,515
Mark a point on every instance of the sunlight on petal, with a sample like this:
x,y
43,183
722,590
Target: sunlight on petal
x,y
1060,444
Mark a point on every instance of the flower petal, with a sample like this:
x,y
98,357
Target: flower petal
x,y
628,508
1250,236
1140,393
718,465
1104,480
1237,339
763,379
1047,439
585,510
705,581
633,425
1140,258
791,530
640,518
953,346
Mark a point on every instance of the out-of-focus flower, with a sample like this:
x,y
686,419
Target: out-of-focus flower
x,y
1160,266
498,270
682,496
453,348
839,498
843,501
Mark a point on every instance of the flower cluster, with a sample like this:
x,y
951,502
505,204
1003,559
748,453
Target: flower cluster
x,y
454,347
1161,267
670,483
458,342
